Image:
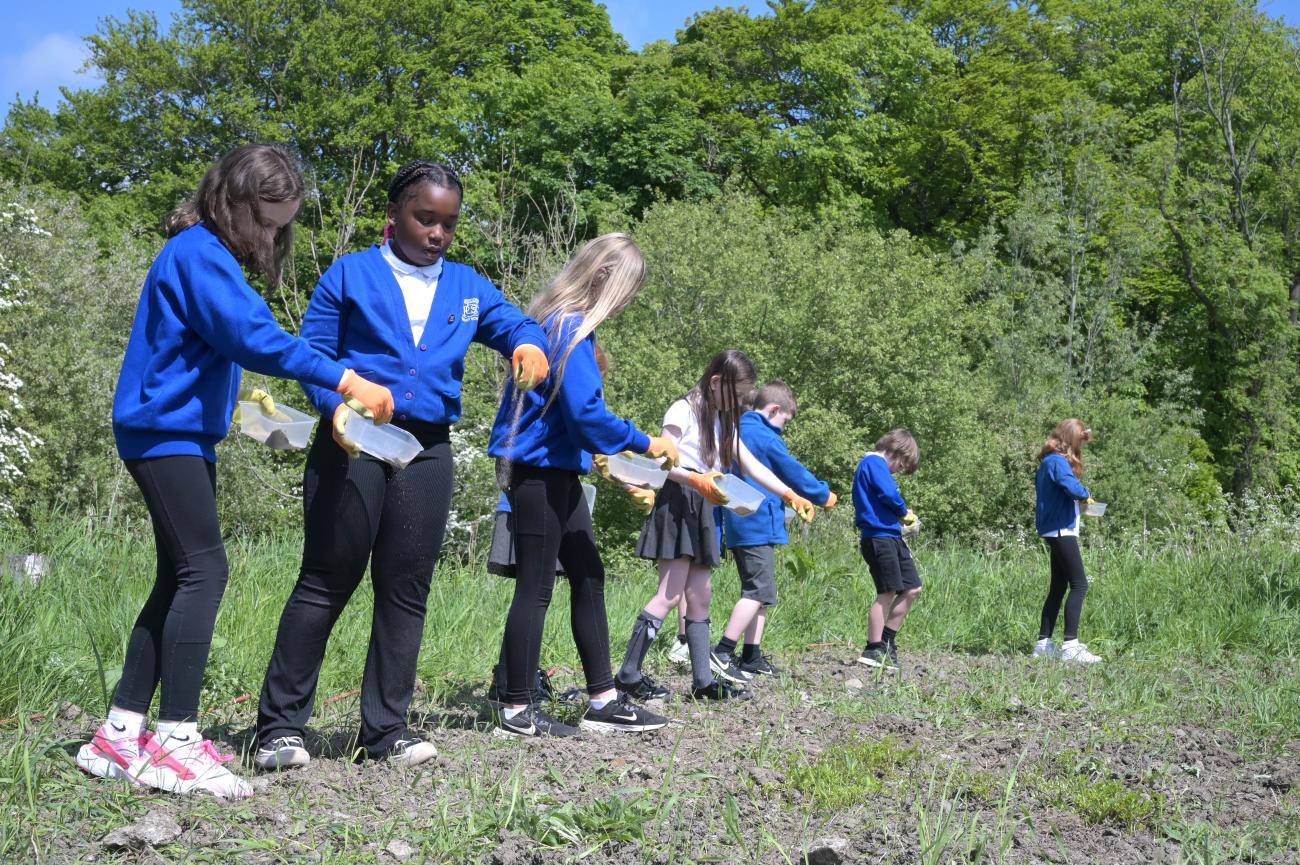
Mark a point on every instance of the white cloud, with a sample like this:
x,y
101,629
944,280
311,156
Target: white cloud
x,y
53,61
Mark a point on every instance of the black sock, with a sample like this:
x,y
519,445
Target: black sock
x,y
725,645
681,638
878,645
751,653
888,635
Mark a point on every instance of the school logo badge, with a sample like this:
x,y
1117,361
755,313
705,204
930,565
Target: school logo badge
x,y
469,312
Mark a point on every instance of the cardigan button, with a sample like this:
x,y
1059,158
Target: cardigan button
x,y
409,395
424,346
412,370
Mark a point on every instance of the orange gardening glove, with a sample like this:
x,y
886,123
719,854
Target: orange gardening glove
x,y
665,449
831,501
340,434
801,505
706,484
530,365
371,400
645,499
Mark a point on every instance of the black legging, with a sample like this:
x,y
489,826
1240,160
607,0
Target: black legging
x,y
359,510
173,633
1067,572
551,521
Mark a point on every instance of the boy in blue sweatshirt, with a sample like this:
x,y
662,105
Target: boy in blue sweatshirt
x,y
883,518
753,539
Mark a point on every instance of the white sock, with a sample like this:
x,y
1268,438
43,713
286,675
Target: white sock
x,y
599,704
180,731
509,713
123,724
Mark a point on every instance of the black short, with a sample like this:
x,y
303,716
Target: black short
x,y
891,565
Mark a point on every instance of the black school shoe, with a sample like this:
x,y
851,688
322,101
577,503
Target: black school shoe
x,y
534,722
545,690
878,658
643,690
720,690
623,715
723,665
761,666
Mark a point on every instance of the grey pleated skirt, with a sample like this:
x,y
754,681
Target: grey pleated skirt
x,y
501,554
682,525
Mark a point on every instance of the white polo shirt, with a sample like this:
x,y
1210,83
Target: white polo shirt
x,y
418,284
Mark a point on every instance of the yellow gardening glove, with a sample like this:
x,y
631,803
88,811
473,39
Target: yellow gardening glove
x,y
254,394
339,432
908,518
664,449
530,365
831,501
801,505
910,524
645,499
1090,501
706,484
600,465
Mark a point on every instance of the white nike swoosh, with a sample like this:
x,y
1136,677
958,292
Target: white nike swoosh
x,y
531,731
626,717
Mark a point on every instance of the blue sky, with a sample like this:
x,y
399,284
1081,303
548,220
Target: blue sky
x,y
42,48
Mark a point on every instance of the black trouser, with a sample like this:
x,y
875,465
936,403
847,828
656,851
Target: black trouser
x,y
551,521
359,510
172,634
1067,573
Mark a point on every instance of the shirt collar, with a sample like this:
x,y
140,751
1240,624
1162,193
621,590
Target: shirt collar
x,y
767,423
428,273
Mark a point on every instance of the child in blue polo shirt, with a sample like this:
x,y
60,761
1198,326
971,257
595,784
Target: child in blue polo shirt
x,y
883,518
753,539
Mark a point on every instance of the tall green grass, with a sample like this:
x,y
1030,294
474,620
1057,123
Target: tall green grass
x,y
1159,614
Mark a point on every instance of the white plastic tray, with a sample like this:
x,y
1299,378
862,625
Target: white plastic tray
x,y
393,445
637,470
287,429
741,497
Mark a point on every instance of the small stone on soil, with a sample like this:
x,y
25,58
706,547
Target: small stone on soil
x,y
853,684
827,851
399,850
153,829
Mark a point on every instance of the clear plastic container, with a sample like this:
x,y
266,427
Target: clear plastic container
x,y
589,493
1095,509
285,430
637,470
741,497
393,445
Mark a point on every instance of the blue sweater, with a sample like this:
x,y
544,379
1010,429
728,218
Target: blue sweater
x,y
1058,489
767,524
877,504
197,323
576,425
358,315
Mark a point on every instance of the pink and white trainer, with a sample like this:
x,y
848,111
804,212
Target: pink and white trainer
x,y
110,754
188,764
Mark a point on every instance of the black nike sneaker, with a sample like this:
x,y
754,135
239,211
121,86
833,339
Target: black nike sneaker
x,y
533,722
644,689
622,714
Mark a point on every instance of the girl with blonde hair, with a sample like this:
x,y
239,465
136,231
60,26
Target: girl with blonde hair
x,y
543,441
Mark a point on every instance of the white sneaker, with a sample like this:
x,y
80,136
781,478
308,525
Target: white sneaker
x,y
1073,650
111,755
190,765
1045,648
680,654
282,752
411,752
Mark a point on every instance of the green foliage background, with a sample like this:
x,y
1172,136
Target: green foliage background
x,y
973,219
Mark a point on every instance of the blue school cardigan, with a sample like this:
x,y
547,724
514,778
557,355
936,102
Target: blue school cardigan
x,y
576,425
877,504
767,524
1058,489
197,323
358,315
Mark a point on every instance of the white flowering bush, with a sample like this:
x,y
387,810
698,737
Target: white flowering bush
x,y
16,443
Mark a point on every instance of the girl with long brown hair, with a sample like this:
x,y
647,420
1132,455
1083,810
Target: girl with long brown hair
x,y
1060,497
198,322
